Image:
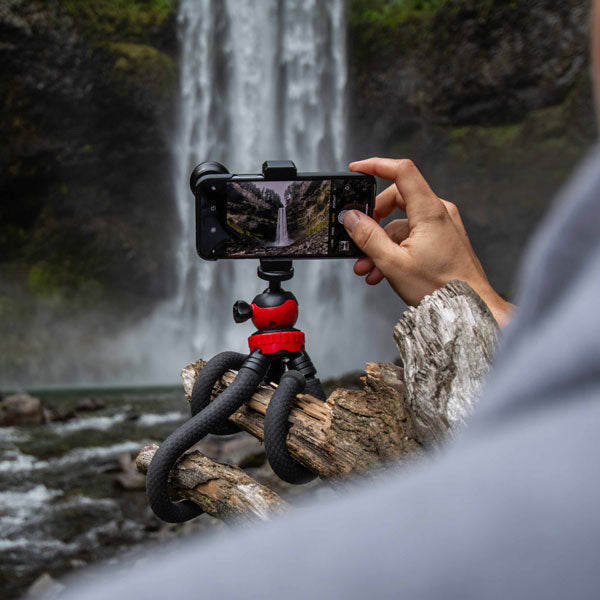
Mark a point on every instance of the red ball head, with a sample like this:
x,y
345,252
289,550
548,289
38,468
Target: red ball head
x,y
275,317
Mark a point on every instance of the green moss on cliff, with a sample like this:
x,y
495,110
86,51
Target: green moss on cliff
x,y
390,13
60,281
107,20
386,29
551,132
393,13
141,69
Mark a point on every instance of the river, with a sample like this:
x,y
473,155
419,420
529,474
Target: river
x,y
60,507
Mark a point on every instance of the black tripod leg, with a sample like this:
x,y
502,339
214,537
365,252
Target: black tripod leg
x,y
214,369
276,429
247,380
276,370
304,365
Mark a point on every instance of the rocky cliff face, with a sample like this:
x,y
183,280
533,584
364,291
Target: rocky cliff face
x,y
87,94
86,220
308,208
490,97
252,214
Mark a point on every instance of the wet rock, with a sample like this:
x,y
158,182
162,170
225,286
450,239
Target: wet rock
x,y
89,404
241,449
44,587
54,413
129,478
21,409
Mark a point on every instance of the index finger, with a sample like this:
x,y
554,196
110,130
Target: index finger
x,y
387,201
421,203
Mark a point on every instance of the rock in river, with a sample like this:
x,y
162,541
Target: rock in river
x,y
21,409
90,403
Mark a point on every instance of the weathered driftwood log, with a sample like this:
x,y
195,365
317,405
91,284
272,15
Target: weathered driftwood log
x,y
446,345
352,432
223,491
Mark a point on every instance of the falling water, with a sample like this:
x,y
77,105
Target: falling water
x,y
261,80
281,236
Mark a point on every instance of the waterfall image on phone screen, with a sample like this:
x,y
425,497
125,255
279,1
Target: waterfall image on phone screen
x,y
281,238
277,217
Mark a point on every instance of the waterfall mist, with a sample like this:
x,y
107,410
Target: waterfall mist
x,y
260,80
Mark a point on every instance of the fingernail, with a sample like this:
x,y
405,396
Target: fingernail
x,y
351,220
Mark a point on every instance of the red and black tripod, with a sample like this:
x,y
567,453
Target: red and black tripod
x,y
276,355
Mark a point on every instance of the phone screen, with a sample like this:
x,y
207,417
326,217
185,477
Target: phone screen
x,y
298,219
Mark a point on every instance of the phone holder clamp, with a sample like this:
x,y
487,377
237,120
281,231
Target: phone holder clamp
x,y
279,169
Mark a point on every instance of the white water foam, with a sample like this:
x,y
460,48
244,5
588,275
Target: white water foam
x,y
20,462
94,453
154,419
12,434
33,544
101,423
15,461
17,507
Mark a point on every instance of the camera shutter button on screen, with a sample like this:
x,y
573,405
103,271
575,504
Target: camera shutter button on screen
x,y
341,216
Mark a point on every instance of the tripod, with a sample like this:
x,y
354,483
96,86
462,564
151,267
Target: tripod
x,y
277,355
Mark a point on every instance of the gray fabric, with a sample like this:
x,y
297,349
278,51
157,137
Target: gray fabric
x,y
510,510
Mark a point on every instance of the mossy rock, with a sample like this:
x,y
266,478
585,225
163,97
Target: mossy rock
x,y
118,20
142,73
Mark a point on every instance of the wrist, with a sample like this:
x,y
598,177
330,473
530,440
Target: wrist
x,y
501,309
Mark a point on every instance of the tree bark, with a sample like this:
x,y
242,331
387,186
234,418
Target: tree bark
x,y
446,345
223,491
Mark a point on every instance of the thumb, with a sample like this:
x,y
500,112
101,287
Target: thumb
x,y
370,237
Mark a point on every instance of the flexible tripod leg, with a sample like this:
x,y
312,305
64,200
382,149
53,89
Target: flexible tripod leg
x,y
276,429
300,378
276,370
247,380
303,364
214,369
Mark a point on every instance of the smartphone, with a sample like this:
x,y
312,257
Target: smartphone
x,y
249,216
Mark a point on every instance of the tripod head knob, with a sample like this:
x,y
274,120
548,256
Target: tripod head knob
x,y
275,270
242,311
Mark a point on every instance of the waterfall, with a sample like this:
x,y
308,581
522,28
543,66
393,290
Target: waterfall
x,y
281,237
261,80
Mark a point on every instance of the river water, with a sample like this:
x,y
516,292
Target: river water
x,y
59,506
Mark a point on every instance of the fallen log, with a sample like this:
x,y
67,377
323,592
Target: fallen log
x,y
223,491
446,345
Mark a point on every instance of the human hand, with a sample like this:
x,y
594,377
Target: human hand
x,y
422,252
